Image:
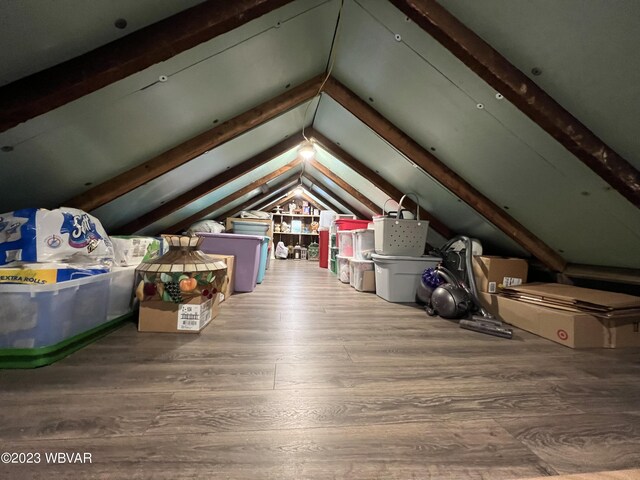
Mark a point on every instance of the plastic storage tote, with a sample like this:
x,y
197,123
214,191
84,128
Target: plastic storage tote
x,y
343,269
363,276
246,249
249,228
350,224
333,265
36,316
324,248
121,288
345,243
397,277
363,244
264,258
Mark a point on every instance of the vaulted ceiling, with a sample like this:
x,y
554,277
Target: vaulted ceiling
x,y
518,129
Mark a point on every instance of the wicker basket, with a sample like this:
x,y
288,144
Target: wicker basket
x,y
399,236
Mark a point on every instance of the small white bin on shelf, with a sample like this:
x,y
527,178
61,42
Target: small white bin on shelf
x,y
363,276
344,270
397,277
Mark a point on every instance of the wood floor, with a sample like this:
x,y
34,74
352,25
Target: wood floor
x,y
307,378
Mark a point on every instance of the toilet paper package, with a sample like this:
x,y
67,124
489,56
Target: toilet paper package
x,y
46,273
37,235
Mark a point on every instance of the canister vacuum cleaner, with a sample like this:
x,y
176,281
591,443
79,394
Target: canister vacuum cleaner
x,y
456,296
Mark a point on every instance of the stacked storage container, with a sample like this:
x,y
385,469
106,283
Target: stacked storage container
x,y
246,249
43,323
361,265
345,244
399,260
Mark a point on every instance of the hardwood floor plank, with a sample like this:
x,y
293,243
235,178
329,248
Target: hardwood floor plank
x,y
582,443
139,378
461,450
51,416
291,376
307,378
406,403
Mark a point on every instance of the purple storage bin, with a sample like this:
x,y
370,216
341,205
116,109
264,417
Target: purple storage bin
x,y
246,249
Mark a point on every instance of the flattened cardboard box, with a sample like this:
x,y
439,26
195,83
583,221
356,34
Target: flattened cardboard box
x,y
577,298
227,288
166,317
572,329
494,273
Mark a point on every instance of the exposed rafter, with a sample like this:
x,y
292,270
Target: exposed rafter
x,y
377,180
317,200
359,196
209,186
443,174
194,147
277,202
51,88
185,223
329,193
532,100
274,190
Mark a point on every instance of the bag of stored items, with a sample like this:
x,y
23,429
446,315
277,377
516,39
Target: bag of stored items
x,y
132,250
209,226
37,235
281,251
255,214
397,235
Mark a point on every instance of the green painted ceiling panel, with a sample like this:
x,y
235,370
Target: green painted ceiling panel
x,y
104,134
222,193
357,139
412,83
587,51
151,195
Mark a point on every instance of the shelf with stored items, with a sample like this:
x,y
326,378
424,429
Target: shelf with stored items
x,y
292,228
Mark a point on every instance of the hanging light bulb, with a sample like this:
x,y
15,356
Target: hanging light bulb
x,y
307,150
299,191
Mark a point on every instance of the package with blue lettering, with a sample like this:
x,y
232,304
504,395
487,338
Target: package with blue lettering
x,y
37,235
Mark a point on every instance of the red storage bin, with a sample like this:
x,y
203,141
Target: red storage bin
x,y
350,224
324,248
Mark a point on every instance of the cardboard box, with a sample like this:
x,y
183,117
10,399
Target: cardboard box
x,y
494,273
166,317
622,333
572,329
227,288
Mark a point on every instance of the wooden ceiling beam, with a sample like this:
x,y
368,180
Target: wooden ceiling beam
x,y
317,201
377,180
523,92
194,147
58,85
277,202
209,186
443,174
185,223
359,196
329,193
312,203
274,190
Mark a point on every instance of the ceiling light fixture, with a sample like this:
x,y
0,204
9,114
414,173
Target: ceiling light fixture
x,y
299,191
307,151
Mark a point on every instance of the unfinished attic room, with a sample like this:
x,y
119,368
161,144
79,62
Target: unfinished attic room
x,y
320,239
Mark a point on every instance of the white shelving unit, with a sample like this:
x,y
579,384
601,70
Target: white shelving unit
x,y
278,218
